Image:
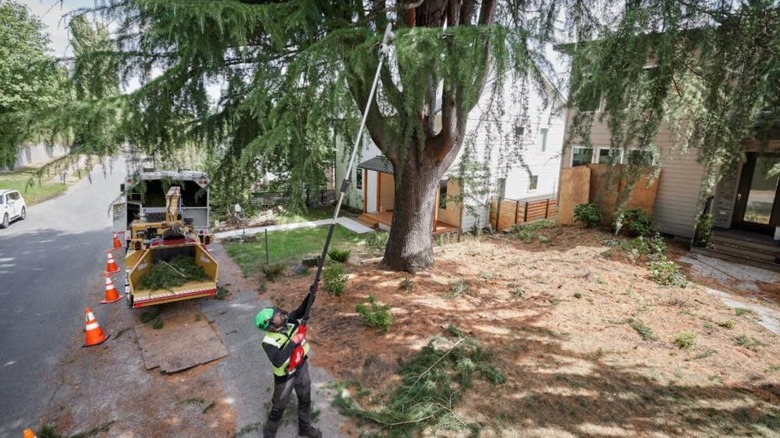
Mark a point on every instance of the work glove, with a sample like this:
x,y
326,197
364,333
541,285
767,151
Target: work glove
x,y
300,334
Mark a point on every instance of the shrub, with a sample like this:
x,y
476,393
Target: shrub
x,y
334,279
703,230
588,215
667,273
685,340
407,284
634,221
530,231
643,330
377,315
376,242
273,271
339,255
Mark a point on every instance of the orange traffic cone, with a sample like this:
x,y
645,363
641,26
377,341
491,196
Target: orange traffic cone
x,y
117,242
28,433
111,294
95,335
111,267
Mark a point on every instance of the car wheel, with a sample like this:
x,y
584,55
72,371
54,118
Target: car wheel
x,y
5,222
23,216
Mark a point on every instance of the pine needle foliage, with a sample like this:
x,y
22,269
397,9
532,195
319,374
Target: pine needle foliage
x,y
434,382
176,272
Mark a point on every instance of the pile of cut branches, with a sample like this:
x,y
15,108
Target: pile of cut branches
x,y
434,382
176,272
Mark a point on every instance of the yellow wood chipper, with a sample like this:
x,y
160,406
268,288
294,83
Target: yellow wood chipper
x,y
157,237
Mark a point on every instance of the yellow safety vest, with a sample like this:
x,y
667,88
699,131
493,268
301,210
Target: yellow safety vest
x,y
280,340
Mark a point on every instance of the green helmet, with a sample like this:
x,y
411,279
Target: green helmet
x,y
264,318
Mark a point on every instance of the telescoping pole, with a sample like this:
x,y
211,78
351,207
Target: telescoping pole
x,y
383,50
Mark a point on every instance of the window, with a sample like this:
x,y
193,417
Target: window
x,y
532,184
609,156
581,156
443,193
359,179
543,139
519,131
640,158
501,188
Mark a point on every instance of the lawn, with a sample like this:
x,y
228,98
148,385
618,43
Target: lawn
x,y
290,246
35,193
312,214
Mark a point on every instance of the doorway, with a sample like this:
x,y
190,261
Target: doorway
x,y
757,208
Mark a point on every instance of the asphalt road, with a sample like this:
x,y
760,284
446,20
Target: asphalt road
x,y
50,264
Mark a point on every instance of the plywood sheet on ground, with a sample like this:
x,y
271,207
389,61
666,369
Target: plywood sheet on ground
x,y
180,344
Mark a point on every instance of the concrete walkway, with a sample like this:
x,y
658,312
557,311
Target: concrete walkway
x,y
345,222
745,277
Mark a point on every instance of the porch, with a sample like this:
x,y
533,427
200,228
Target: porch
x,y
745,247
384,220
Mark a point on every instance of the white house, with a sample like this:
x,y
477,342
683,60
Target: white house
x,y
512,150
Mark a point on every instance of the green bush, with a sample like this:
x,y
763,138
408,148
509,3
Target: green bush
x,y
376,242
588,215
339,255
334,279
376,315
667,273
273,271
530,231
685,340
703,230
634,221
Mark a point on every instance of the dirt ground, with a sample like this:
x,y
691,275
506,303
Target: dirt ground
x,y
557,313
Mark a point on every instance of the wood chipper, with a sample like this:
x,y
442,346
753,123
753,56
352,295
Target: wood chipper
x,y
166,258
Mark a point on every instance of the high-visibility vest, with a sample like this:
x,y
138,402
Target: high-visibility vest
x,y
280,340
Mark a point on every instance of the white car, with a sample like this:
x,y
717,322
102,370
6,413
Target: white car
x,y
12,207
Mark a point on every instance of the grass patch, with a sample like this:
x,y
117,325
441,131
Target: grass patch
x,y
36,193
406,285
532,230
751,343
741,311
685,340
290,246
339,255
643,330
433,383
49,432
726,324
457,289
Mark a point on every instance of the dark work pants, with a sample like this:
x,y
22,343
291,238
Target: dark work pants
x,y
301,383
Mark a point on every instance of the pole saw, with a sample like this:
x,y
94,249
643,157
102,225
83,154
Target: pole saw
x,y
297,355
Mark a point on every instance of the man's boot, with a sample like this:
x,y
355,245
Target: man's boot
x,y
307,430
271,427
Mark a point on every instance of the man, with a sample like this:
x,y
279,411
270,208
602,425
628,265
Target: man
x,y
287,349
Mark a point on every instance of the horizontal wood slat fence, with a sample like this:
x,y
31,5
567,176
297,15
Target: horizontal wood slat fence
x,y
509,212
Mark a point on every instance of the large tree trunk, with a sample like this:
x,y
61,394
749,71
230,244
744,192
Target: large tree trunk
x,y
410,244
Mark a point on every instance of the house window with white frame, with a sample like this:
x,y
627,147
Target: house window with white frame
x,y
581,156
609,156
543,139
533,183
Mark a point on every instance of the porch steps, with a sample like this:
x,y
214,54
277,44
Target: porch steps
x,y
759,252
367,221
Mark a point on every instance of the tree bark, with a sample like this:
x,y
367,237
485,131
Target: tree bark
x,y
410,244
